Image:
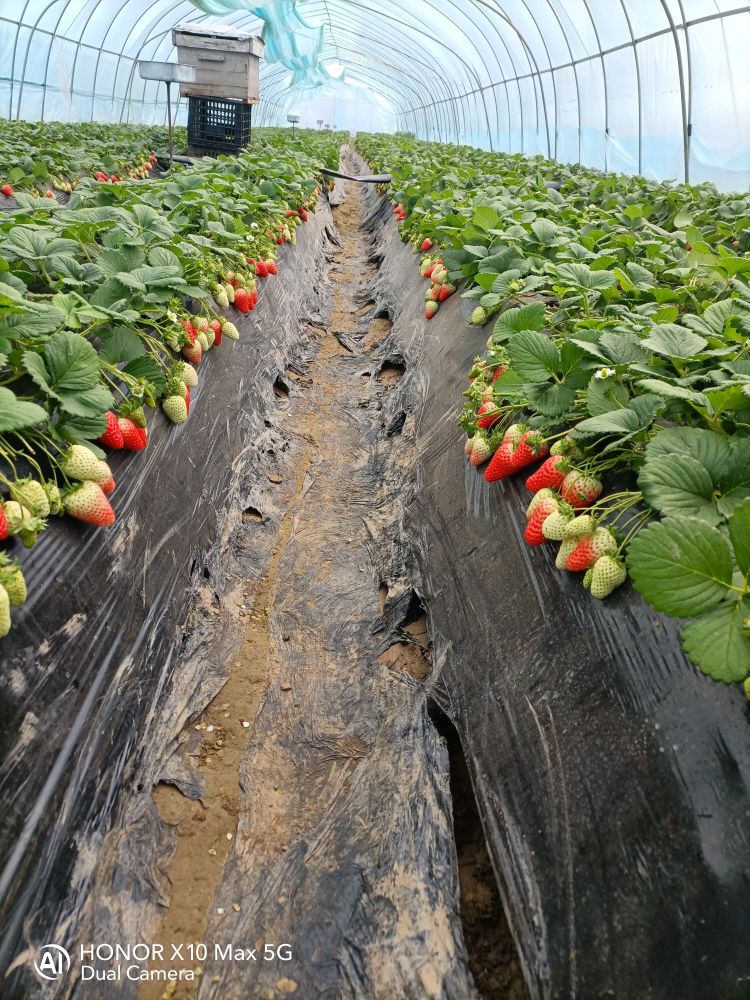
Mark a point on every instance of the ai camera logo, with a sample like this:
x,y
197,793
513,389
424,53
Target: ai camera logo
x,y
52,961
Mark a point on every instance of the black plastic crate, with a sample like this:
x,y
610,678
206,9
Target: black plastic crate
x,y
217,124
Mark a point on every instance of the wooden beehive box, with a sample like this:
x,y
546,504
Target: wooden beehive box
x,y
226,61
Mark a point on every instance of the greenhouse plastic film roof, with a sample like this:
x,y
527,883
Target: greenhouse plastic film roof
x,y
658,87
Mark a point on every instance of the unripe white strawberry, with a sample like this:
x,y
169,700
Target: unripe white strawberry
x,y
79,462
31,494
540,495
607,574
481,450
553,526
582,525
175,408
188,374
5,622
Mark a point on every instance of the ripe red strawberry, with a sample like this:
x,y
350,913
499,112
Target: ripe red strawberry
x,y
550,473
445,292
152,158
485,422
261,270
88,503
590,548
580,489
426,245
242,300
498,372
290,213
112,437
216,327
531,447
271,266
4,529
7,190
134,438
187,399
190,330
428,271
501,464
193,354
49,193
109,486
533,533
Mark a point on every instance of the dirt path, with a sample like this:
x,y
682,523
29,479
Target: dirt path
x,y
305,791
322,552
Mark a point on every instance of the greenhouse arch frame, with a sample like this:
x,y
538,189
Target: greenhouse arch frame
x,y
632,86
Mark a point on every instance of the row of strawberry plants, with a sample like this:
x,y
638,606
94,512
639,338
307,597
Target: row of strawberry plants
x,y
110,304
619,358
40,158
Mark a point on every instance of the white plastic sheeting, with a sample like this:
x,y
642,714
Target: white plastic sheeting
x,y
659,87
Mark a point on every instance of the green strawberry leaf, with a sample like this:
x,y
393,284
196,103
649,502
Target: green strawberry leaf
x,y
551,398
16,414
83,430
485,218
516,320
626,422
681,566
533,356
716,643
674,341
120,344
679,485
71,361
668,390
545,231
712,450
605,394
89,403
739,534
582,276
622,348
147,369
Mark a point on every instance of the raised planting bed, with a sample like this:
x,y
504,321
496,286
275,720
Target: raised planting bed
x,y
611,776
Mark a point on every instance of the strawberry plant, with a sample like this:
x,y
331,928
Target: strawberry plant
x,y
109,304
620,345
